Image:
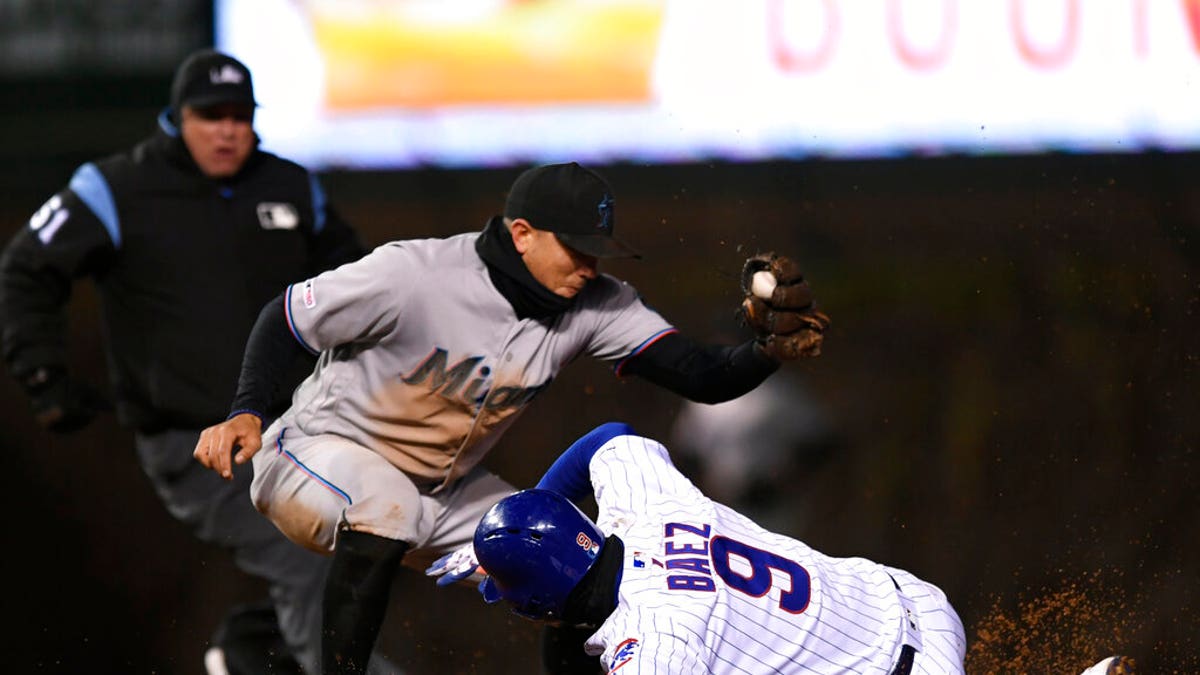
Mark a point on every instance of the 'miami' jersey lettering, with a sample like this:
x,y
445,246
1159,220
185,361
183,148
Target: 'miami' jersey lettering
x,y
449,383
433,370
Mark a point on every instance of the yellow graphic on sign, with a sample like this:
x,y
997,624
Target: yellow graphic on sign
x,y
426,53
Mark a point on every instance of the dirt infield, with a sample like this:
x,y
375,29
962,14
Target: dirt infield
x,y
1068,628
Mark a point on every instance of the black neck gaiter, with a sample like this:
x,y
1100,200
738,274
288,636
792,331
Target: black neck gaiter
x,y
529,299
595,596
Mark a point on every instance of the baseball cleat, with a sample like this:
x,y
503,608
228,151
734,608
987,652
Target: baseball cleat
x,y
1113,665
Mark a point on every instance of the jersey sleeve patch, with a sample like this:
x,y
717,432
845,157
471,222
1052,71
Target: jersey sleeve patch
x,y
310,294
291,322
623,654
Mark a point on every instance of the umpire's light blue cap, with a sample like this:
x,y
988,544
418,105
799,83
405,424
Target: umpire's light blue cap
x,y
574,203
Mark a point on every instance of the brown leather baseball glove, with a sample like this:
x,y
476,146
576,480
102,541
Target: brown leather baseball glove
x,y
782,314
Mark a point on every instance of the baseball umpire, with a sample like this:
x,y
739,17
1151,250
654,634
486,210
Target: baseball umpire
x,y
428,350
670,581
186,235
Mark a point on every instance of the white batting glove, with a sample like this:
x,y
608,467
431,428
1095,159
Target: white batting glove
x,y
461,565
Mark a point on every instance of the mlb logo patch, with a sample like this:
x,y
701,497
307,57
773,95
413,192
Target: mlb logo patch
x,y
310,294
278,216
226,74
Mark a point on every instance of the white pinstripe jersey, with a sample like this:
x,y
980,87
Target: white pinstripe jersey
x,y
706,590
424,362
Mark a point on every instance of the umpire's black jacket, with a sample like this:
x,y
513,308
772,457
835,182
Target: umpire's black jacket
x,y
183,264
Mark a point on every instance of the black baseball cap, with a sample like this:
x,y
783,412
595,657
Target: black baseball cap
x,y
208,77
574,203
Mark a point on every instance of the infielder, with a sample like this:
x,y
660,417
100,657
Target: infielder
x,y
428,350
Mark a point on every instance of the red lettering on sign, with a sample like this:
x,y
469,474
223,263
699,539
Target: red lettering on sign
x,y
1051,52
1051,57
1141,29
1192,9
789,58
931,58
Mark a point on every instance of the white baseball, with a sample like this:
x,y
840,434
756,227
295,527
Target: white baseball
x,y
762,284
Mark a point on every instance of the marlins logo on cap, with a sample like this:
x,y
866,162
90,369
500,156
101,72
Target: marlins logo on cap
x,y
574,203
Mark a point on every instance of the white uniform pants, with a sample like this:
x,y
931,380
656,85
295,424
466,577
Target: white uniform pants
x,y
943,640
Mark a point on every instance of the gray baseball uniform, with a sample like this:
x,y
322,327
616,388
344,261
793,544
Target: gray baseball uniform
x,y
423,365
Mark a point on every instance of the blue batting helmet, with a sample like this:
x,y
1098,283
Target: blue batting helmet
x,y
535,546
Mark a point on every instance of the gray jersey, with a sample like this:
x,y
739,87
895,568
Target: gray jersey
x,y
424,362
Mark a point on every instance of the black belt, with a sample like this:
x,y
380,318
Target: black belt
x,y
905,663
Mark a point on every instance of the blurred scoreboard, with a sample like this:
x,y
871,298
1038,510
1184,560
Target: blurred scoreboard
x,y
471,83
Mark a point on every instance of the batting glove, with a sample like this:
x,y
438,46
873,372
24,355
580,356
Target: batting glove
x,y
461,565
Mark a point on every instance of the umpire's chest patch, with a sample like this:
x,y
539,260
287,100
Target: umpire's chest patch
x,y
278,216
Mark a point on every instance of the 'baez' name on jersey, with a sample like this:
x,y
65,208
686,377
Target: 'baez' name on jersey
x,y
693,556
686,554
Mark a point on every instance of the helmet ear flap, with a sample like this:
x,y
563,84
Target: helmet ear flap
x,y
487,588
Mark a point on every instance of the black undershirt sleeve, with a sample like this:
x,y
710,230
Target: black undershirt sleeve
x,y
269,366
702,373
